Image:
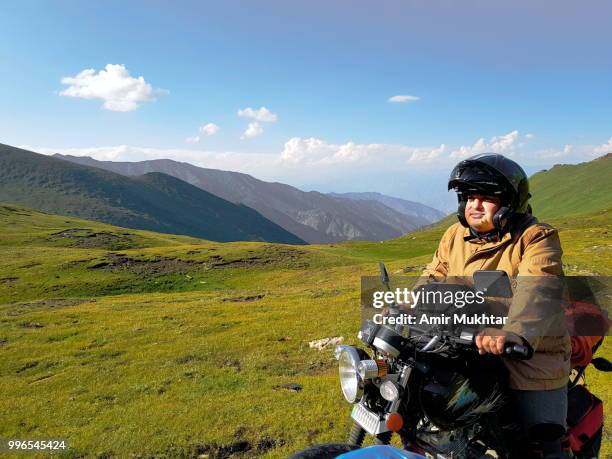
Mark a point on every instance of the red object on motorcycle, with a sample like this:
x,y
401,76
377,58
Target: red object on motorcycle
x,y
394,422
587,325
584,417
582,350
587,319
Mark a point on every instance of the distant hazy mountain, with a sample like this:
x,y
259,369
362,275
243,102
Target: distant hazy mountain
x,y
413,209
312,216
152,201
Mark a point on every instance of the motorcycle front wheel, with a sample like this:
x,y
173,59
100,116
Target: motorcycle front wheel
x,y
325,451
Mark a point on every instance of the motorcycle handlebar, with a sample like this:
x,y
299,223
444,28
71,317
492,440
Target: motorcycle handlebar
x,y
513,350
517,351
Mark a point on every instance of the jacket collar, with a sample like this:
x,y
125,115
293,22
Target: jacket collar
x,y
488,244
514,233
475,236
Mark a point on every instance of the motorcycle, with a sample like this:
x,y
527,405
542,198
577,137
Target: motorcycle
x,y
433,389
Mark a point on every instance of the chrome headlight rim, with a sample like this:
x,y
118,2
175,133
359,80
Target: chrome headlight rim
x,y
351,384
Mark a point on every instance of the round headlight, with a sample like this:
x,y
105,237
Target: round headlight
x,y
350,382
389,391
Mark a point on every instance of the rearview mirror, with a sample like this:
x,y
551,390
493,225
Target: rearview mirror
x,y
384,275
493,283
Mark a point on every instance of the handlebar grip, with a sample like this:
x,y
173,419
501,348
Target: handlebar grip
x,y
517,351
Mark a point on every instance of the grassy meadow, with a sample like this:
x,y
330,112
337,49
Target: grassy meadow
x,y
137,344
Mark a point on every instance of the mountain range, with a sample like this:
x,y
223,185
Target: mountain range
x,y
312,216
418,211
152,201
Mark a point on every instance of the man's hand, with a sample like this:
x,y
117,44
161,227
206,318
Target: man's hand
x,y
493,340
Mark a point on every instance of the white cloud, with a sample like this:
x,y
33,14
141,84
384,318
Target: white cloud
x,y
209,129
402,99
252,163
316,152
114,85
603,149
254,129
503,144
261,114
194,139
427,154
529,135
551,154
313,151
574,153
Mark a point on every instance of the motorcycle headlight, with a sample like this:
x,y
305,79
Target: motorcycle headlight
x,y
389,391
350,381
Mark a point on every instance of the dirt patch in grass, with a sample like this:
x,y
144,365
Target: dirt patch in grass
x,y
30,265
87,238
159,265
6,280
243,299
56,302
291,387
233,364
189,358
41,378
317,368
30,325
105,398
27,366
278,256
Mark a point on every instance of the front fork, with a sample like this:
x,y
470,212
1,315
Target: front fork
x,y
357,435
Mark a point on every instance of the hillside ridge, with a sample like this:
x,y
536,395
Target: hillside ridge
x,y
157,201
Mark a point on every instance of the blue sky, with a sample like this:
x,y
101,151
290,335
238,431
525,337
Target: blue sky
x,y
529,79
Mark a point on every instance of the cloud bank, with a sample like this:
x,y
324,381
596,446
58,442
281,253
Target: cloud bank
x,y
311,153
417,173
503,144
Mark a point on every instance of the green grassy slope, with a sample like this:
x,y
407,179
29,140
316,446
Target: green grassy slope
x,y
569,190
133,343
130,342
154,201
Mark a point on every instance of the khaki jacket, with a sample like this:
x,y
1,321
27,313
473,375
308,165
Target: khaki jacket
x,y
532,250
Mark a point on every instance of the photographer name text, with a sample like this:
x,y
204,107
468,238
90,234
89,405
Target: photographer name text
x,y
455,319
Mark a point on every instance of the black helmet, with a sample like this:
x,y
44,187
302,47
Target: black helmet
x,y
493,174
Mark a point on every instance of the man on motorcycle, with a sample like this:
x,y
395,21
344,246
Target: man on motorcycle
x,y
496,231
